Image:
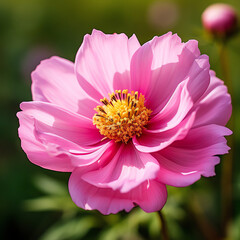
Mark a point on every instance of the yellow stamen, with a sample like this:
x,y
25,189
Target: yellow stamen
x,y
123,116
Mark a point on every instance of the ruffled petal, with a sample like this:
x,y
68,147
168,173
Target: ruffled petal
x,y
79,156
97,156
155,140
214,107
161,64
54,81
183,163
103,63
54,152
54,142
150,196
174,111
53,119
37,152
128,169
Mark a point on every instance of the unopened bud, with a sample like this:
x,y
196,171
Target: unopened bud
x,y
220,20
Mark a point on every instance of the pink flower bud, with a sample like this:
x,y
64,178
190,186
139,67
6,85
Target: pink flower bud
x,y
220,19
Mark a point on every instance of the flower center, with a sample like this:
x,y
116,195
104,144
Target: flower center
x,y
123,116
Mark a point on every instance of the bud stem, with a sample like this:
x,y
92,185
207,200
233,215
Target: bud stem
x,y
227,163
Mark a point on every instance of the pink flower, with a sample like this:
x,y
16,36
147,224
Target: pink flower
x,y
164,125
219,19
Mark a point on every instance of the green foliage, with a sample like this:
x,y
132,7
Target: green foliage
x,y
65,229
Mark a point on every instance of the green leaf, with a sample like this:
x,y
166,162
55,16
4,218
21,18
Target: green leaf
x,y
50,186
70,229
50,203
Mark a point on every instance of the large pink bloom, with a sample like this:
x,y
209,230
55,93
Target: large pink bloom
x,y
187,106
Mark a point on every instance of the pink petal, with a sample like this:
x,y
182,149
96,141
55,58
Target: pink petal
x,y
37,152
68,125
214,107
80,157
54,81
54,152
103,63
151,56
174,111
128,169
100,155
183,163
161,64
150,196
155,140
52,141
199,77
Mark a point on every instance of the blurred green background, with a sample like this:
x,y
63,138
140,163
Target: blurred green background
x,y
34,202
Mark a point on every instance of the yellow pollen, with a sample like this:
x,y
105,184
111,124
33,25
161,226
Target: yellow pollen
x,y
122,116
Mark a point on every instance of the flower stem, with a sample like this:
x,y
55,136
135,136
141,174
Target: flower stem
x,y
164,230
227,163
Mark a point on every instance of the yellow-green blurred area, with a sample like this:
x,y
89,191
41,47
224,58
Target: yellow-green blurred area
x,y
34,202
